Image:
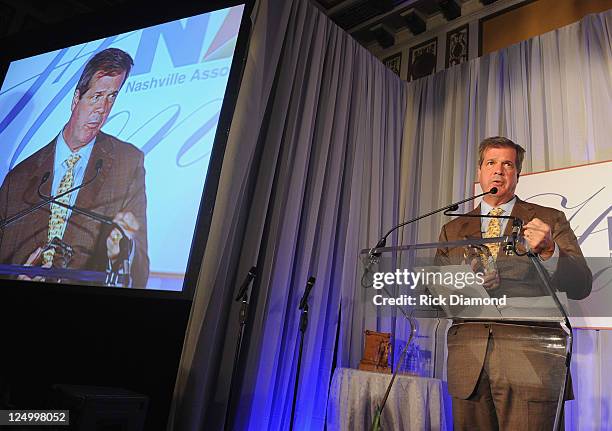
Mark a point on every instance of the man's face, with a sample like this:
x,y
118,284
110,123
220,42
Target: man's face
x,y
90,110
498,169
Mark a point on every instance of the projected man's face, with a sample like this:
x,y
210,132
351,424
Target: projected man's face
x,y
90,109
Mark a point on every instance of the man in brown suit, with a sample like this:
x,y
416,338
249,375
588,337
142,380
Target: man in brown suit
x,y
118,190
508,376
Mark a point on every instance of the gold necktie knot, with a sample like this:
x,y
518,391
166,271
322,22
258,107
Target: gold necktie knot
x,y
72,160
496,212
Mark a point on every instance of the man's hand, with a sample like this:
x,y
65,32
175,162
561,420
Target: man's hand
x,y
539,237
130,226
491,278
35,259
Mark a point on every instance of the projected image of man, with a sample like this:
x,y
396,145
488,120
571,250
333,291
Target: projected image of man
x,y
79,153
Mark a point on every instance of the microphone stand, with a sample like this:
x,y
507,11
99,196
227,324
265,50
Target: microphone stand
x,y
243,296
546,281
374,255
378,414
303,325
48,199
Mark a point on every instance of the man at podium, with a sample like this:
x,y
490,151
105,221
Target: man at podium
x,y
496,376
111,173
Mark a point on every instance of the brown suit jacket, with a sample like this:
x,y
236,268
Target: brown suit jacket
x,y
468,346
120,186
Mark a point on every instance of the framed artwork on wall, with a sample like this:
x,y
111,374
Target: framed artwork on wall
x,y
394,62
422,59
457,45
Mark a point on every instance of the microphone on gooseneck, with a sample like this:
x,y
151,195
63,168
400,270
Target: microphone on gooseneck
x,y
452,207
515,220
245,284
87,213
48,199
309,284
517,225
45,178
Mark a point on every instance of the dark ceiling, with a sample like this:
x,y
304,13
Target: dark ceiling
x,y
23,15
381,20
366,20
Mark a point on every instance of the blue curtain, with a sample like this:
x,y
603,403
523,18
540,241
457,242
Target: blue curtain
x,y
332,149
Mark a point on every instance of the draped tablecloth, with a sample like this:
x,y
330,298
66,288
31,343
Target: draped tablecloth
x,y
415,403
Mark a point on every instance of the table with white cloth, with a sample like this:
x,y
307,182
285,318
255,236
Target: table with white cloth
x,y
415,403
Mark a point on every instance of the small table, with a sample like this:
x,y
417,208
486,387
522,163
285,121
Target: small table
x,y
415,403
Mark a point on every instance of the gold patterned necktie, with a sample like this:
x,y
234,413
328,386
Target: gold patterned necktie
x,y
59,214
494,230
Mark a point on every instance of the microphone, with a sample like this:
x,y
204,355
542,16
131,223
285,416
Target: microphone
x,y
54,199
455,207
303,326
10,220
87,213
245,284
452,207
48,199
45,177
304,301
517,225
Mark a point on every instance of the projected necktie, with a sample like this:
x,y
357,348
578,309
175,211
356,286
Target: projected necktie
x,y
59,214
494,230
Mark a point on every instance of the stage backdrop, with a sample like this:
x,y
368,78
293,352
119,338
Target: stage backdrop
x,y
168,107
584,194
